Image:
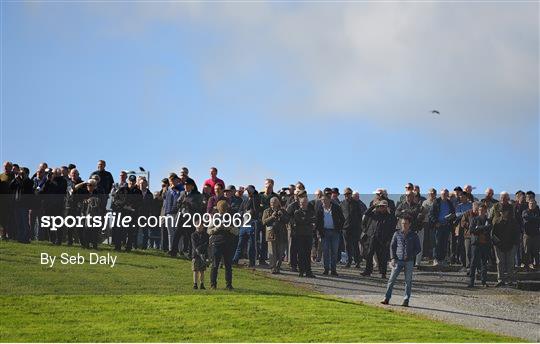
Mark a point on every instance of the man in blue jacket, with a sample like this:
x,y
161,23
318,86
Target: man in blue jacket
x,y
404,247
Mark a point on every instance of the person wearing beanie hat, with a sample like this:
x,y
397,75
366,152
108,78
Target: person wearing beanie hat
x,y
222,245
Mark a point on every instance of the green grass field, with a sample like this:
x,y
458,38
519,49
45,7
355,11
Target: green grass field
x,y
148,297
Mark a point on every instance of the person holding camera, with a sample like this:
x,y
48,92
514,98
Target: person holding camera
x,y
188,204
275,220
22,189
378,225
127,201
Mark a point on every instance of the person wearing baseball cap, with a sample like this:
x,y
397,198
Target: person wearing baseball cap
x,y
378,226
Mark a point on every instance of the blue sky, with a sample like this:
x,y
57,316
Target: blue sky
x,y
333,94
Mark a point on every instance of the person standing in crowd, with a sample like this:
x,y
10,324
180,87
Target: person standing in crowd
x,y
329,224
91,207
303,221
440,218
409,188
520,204
170,208
221,243
428,244
218,196
234,205
316,249
382,195
6,205
160,234
122,182
188,204
54,191
465,225
409,207
489,200
260,235
22,189
531,236
468,189
404,248
146,209
356,197
105,183
127,201
199,242
250,208
72,205
351,227
213,180
275,220
479,230
291,241
457,246
378,225
418,198
505,236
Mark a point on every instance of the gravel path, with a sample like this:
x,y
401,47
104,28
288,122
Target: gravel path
x,y
441,296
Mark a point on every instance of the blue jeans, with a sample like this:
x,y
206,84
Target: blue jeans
x,y
260,236
246,234
330,246
441,242
408,266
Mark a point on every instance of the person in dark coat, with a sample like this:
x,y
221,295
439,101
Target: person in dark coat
x,y
352,213
441,218
221,244
505,237
250,208
329,224
378,226
479,233
105,183
302,228
22,189
127,201
146,209
54,193
531,235
188,205
199,242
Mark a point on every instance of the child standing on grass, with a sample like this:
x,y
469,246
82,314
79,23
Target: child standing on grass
x,y
199,242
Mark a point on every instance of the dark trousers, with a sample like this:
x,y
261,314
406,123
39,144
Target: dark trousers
x,y
304,243
532,249
164,239
223,251
351,238
260,238
429,240
119,236
183,233
293,252
382,251
479,260
441,242
22,223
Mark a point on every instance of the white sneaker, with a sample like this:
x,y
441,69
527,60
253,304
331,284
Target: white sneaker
x,y
435,262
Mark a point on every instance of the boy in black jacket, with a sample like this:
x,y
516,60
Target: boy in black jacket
x,y
199,243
